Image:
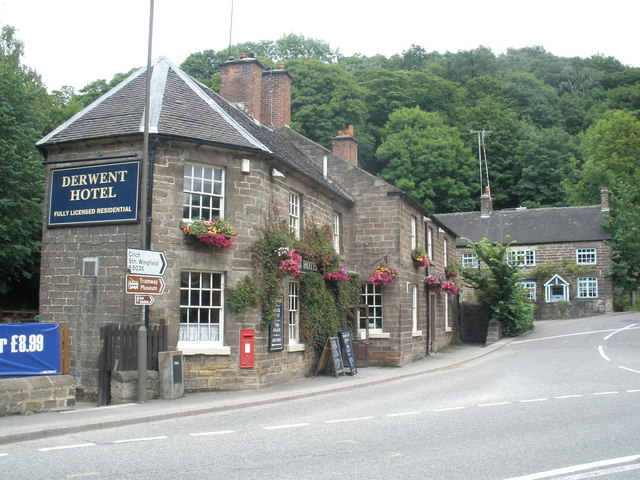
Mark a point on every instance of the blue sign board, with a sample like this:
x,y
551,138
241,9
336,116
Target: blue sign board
x,y
94,194
28,349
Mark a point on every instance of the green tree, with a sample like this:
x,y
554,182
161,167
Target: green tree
x,y
496,282
21,170
611,152
427,159
624,224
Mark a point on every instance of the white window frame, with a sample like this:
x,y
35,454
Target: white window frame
x,y
430,243
469,260
522,257
201,298
530,287
371,295
556,283
586,256
445,253
587,287
293,318
447,327
336,232
414,232
294,214
414,311
203,192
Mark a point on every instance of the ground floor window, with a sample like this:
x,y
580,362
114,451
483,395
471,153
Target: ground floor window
x,y
294,313
588,287
530,288
201,307
371,295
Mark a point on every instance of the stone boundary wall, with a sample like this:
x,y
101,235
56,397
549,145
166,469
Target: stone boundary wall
x,y
26,395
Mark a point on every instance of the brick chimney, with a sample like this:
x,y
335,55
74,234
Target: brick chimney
x,y
345,146
275,108
241,83
486,203
604,199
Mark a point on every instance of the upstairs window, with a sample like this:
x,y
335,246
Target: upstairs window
x,y
414,233
586,256
336,232
203,192
469,260
294,214
522,258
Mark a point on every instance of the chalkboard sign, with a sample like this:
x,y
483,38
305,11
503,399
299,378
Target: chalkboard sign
x,y
276,330
349,353
331,352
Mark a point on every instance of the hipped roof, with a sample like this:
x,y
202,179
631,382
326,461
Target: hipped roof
x,y
182,108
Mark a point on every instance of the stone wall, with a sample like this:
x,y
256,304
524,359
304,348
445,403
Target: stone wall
x,y
24,395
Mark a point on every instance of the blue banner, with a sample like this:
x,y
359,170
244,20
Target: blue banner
x,y
28,349
95,194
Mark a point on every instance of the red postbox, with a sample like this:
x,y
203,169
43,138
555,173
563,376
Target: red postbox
x,y
247,344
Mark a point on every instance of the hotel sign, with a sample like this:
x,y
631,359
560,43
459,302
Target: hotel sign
x,y
95,194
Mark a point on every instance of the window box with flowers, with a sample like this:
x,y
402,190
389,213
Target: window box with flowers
x,y
215,232
419,258
340,275
383,275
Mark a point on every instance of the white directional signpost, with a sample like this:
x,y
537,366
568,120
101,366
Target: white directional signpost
x,y
146,262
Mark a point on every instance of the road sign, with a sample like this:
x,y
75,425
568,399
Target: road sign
x,y
146,262
142,284
144,300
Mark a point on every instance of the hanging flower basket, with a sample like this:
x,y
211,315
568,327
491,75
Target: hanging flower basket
x,y
383,275
339,275
215,232
451,272
437,284
419,258
291,262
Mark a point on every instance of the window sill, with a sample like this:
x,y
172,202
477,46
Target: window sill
x,y
416,333
379,334
448,329
202,348
295,347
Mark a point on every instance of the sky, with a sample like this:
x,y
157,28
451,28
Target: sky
x,y
74,42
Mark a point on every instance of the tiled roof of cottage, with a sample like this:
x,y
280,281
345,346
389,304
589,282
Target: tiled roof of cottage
x,y
530,226
182,108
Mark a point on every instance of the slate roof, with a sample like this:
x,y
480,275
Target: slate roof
x,y
182,108
530,226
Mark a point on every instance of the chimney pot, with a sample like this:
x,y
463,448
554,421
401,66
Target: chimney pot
x,y
604,199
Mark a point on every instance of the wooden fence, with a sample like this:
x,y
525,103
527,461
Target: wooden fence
x,y
119,352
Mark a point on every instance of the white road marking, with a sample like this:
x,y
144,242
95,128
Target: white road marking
x,y
515,342
293,425
602,354
604,393
67,447
577,468
492,404
633,391
628,369
531,400
602,472
402,414
144,439
617,331
568,396
205,434
448,409
3,454
340,420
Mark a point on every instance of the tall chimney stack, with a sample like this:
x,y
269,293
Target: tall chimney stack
x,y
241,83
345,146
486,203
275,109
604,199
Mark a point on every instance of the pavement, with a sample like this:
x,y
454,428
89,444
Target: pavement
x,y
87,416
